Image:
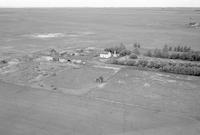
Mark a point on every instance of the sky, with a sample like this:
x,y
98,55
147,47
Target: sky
x,y
99,3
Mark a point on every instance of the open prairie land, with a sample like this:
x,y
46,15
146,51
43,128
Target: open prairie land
x,y
33,29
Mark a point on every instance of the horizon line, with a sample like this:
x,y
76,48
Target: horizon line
x,y
99,7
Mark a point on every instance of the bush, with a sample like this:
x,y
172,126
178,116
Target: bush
x,y
125,52
116,49
165,53
114,61
174,56
136,51
170,48
100,79
143,63
165,48
157,53
180,49
3,62
131,63
154,64
136,45
148,53
133,56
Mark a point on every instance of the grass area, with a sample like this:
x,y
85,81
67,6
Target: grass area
x,y
156,91
81,78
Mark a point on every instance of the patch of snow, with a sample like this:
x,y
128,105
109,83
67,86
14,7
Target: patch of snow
x,y
107,67
162,75
153,96
13,62
88,33
171,81
7,47
45,58
147,85
73,35
157,78
121,82
48,35
77,61
62,60
101,85
90,48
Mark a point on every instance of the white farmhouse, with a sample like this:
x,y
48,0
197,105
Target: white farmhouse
x,y
105,55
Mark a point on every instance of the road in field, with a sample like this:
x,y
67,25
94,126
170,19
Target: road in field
x,y
28,111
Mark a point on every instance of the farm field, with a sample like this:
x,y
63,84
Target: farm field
x,y
51,71
143,107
